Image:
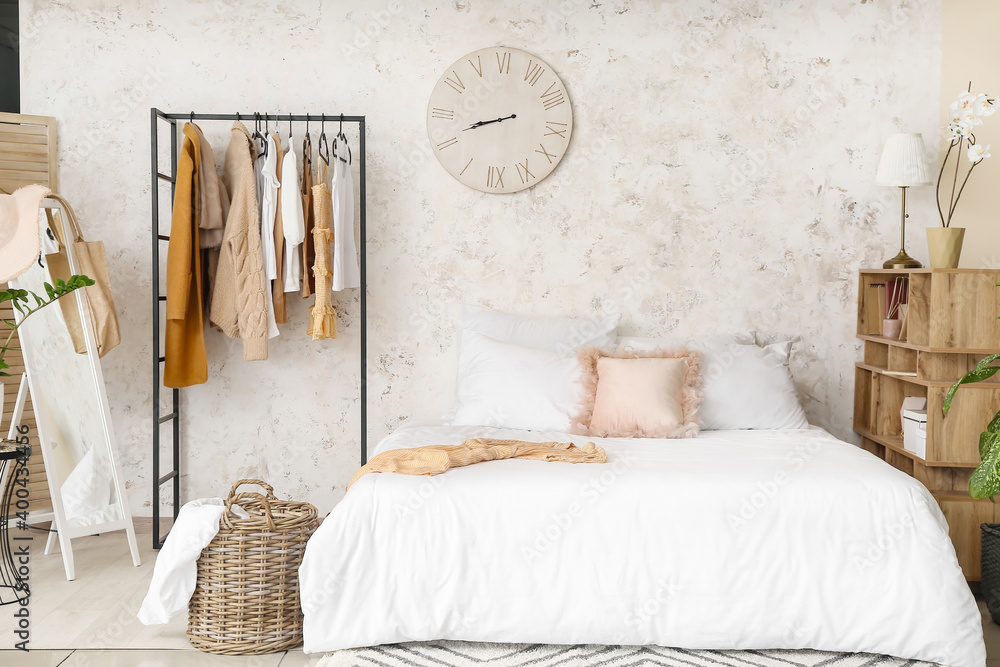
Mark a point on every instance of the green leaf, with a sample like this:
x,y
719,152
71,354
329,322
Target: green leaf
x,y
994,426
987,361
971,377
985,480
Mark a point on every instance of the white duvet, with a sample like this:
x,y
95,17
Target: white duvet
x,y
735,539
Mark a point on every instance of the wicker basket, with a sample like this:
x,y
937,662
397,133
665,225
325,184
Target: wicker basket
x,y
246,601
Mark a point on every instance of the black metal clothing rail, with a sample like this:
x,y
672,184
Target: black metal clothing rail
x,y
173,416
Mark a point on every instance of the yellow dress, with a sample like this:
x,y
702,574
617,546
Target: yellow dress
x,y
322,316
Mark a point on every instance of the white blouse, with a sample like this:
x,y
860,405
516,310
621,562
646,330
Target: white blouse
x,y
293,219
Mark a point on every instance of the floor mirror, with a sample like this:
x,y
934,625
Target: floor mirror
x,y
67,391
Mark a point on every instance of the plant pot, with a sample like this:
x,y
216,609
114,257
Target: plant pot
x,y
891,328
945,246
990,562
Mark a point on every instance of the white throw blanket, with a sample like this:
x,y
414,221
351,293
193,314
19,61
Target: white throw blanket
x,y
176,568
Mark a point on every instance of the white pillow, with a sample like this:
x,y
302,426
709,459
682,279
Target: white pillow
x,y
744,386
512,386
643,344
750,387
563,335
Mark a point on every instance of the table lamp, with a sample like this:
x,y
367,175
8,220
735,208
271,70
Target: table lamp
x,y
903,165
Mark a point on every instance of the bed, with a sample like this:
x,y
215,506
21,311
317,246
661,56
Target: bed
x,y
732,539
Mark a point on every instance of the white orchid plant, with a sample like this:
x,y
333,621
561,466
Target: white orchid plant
x,y
967,113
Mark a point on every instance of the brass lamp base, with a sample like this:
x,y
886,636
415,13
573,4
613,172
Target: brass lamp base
x,y
901,261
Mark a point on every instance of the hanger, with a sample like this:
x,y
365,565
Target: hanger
x,y
192,118
307,144
323,142
289,130
258,136
343,137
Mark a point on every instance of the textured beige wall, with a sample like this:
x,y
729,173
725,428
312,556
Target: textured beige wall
x,y
720,177
968,53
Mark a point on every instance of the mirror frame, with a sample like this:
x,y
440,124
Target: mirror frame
x,y
63,531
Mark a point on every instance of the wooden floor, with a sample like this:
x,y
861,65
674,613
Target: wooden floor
x,y
90,622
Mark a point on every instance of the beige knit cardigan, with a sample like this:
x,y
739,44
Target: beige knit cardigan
x,y
239,302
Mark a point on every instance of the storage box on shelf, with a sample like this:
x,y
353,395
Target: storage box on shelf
x,y
951,325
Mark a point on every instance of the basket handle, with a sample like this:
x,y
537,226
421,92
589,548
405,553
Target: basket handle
x,y
257,482
234,498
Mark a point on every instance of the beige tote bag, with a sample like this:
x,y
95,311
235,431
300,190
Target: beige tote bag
x,y
91,262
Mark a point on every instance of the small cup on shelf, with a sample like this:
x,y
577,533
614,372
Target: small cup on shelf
x,y
891,328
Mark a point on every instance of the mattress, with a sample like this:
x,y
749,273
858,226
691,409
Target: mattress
x,y
731,540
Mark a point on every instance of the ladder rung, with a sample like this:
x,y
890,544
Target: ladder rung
x,y
164,177
169,476
162,298
162,359
162,237
166,418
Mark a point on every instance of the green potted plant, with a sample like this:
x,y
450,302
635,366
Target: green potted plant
x,y
985,483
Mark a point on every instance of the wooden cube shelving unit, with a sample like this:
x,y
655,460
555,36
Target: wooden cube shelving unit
x,y
951,326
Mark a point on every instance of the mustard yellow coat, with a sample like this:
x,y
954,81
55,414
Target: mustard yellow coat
x,y
184,345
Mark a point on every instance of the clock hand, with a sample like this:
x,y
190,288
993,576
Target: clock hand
x,y
487,122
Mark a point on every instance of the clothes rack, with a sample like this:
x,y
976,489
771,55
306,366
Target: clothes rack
x,y
174,415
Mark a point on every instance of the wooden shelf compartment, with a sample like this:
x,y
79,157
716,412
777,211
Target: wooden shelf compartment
x,y
918,309
955,437
877,355
902,359
947,368
893,443
863,383
964,516
888,392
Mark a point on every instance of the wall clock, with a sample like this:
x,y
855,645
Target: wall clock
x,y
499,119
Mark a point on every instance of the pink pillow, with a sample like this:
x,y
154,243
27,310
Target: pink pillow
x,y
652,394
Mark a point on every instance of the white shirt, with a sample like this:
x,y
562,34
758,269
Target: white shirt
x,y
268,196
293,220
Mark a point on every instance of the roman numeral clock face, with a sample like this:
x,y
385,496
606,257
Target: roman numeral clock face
x,y
499,120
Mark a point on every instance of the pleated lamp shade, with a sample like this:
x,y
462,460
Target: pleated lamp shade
x,y
904,162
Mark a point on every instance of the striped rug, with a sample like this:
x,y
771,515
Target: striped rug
x,y
464,654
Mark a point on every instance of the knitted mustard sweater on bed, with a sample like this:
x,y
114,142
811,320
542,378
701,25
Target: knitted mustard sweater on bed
x,y
437,459
239,303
